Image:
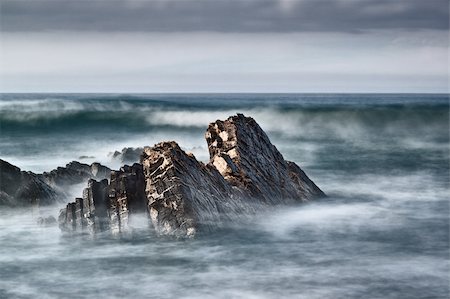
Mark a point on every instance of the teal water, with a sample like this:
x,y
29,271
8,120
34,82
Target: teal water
x,y
383,232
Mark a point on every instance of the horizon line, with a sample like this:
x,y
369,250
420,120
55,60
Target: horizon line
x,y
206,93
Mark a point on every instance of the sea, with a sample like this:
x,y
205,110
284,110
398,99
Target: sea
x,y
382,232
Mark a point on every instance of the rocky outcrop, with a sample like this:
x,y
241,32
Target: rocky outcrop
x,y
244,155
107,206
128,154
88,213
183,195
126,196
20,188
75,173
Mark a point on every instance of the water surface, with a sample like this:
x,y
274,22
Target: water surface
x,y
382,233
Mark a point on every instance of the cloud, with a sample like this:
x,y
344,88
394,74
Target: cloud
x,y
224,62
223,15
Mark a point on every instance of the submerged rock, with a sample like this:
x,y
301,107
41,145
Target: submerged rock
x,y
46,221
183,195
128,154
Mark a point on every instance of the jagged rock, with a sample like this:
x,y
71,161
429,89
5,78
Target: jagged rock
x,y
75,173
128,154
184,195
244,155
245,168
20,188
107,206
126,196
89,213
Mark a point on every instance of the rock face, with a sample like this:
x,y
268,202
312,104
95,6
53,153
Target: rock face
x,y
126,196
107,206
88,213
183,195
244,155
20,188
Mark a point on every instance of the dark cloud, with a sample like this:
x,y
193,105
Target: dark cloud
x,y
223,15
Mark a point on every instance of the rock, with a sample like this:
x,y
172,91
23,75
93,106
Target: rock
x,y
20,188
6,199
244,155
182,193
86,157
245,169
46,221
126,196
107,206
184,196
128,154
89,213
75,173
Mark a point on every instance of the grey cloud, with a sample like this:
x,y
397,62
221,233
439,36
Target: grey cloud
x,y
223,15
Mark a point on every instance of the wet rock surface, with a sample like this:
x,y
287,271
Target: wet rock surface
x,y
182,195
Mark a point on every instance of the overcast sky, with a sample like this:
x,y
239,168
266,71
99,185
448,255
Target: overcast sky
x,y
224,46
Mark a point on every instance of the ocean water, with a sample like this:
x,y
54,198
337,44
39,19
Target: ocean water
x,y
383,231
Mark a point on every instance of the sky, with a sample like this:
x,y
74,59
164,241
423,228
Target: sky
x,y
224,46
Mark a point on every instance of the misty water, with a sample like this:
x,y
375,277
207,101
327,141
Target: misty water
x,y
382,232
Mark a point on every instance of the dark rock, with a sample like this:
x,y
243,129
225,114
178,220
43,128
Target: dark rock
x,y
20,188
86,157
89,213
75,173
128,154
126,196
107,206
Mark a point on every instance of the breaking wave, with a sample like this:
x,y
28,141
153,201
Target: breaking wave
x,y
295,116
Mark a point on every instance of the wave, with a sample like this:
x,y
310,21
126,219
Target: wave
x,y
280,116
